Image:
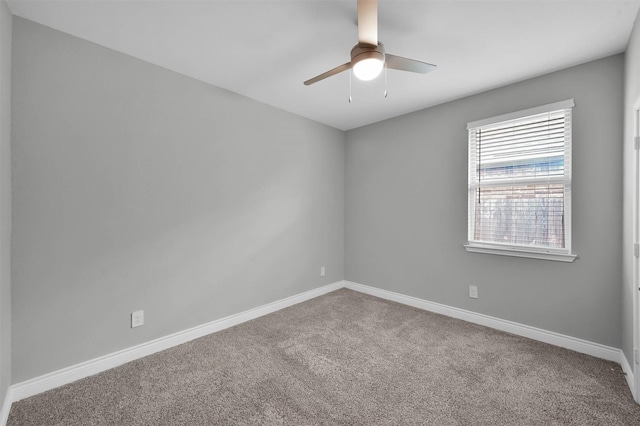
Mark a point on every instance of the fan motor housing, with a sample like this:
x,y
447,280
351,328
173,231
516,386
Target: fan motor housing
x,y
363,51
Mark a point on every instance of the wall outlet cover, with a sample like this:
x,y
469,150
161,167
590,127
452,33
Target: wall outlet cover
x,y
137,319
473,291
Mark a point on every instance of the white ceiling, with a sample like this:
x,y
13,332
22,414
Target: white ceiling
x,y
265,49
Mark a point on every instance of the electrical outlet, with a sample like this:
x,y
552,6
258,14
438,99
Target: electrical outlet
x,y
322,271
473,291
137,319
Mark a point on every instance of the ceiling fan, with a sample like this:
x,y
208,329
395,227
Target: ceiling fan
x,y
368,57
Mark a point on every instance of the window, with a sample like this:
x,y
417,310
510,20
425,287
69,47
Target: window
x,y
520,183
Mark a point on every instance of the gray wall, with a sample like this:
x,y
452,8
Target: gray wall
x,y
406,209
138,188
631,95
5,199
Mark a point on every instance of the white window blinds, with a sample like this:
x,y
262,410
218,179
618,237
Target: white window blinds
x,y
520,180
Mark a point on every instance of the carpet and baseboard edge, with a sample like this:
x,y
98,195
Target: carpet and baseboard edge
x,y
70,374
6,407
79,371
628,374
556,339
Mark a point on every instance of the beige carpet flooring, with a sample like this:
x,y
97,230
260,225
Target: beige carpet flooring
x,y
346,358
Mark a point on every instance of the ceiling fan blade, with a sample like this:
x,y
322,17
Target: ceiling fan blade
x,y
329,73
368,22
406,64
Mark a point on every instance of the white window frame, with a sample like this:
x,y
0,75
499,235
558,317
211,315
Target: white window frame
x,y
557,254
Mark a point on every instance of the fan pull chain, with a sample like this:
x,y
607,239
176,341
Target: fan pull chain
x,y
385,79
350,85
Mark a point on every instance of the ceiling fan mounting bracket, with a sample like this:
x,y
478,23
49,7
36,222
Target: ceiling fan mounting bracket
x,y
363,51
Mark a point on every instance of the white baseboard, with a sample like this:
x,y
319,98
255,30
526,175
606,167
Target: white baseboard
x,y
70,374
575,344
75,372
6,407
628,371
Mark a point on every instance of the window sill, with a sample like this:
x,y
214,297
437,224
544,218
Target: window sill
x,y
518,252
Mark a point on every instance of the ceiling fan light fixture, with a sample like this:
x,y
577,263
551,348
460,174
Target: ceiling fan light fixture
x,y
368,68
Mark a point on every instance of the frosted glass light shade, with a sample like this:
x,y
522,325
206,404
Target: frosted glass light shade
x,y
368,69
